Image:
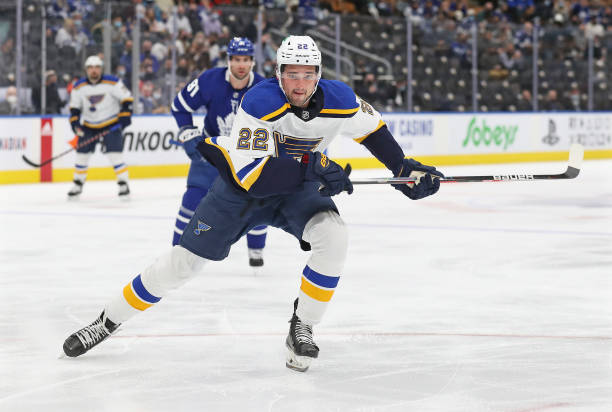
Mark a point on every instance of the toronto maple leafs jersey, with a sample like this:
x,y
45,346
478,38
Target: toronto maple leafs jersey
x,y
269,136
99,105
213,90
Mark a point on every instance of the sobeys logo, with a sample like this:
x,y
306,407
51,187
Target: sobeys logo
x,y
488,135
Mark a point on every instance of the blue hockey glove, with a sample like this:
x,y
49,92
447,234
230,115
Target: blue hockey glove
x,y
125,121
318,167
189,137
426,183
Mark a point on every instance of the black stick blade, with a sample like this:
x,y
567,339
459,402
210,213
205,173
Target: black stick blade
x,y
31,163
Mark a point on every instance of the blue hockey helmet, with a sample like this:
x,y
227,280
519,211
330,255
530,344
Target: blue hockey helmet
x,y
240,46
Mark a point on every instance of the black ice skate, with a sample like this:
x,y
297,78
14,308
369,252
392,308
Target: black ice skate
x,y
124,190
84,339
301,349
256,258
75,190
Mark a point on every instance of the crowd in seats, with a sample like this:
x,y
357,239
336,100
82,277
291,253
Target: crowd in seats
x,y
442,50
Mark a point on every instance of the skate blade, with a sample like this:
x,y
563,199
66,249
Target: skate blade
x,y
74,198
296,362
257,270
124,198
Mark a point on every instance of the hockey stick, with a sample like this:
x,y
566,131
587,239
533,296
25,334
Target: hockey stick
x,y
78,146
576,155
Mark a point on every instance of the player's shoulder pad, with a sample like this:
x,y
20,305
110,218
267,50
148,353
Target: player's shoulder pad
x,y
266,101
80,83
215,75
339,99
109,79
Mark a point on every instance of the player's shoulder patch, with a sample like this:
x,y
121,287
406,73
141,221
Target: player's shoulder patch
x,y
266,101
339,99
80,83
109,79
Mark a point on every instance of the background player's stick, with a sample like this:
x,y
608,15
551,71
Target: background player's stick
x,y
78,146
576,154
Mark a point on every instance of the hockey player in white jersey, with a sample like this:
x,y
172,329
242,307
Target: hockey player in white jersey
x,y
99,103
272,171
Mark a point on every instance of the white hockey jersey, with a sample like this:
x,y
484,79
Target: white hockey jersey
x,y
99,105
267,126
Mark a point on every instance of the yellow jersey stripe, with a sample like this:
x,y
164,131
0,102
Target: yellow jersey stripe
x,y
134,300
361,139
124,114
340,111
254,175
73,118
209,141
275,113
100,125
108,81
127,99
322,295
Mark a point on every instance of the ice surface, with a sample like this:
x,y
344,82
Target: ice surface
x,y
485,297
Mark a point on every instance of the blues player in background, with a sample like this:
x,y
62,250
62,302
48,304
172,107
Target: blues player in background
x,y
272,171
220,91
99,103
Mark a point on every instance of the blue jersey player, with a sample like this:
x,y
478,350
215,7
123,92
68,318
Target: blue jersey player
x,y
220,91
272,171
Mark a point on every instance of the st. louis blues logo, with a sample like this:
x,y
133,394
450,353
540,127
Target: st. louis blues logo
x,y
93,100
202,227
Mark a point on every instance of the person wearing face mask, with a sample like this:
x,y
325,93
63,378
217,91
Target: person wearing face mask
x,y
9,104
220,91
272,171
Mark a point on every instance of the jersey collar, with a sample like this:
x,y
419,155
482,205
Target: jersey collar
x,y
315,105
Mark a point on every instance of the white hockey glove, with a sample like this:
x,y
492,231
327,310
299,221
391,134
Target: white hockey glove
x,y
187,133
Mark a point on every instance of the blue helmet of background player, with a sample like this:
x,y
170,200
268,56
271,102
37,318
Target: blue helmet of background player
x,y
240,46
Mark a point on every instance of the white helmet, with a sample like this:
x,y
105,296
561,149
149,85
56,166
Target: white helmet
x,y
298,50
94,61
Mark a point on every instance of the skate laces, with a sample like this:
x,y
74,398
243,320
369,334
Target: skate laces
x,y
303,332
93,334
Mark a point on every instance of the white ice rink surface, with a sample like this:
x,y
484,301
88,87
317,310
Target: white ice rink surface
x,y
485,297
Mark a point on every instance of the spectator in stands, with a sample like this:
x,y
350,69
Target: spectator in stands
x,y
182,70
7,62
182,22
126,57
525,102
152,23
54,103
551,103
71,36
9,105
511,58
147,103
573,98
146,47
122,73
147,72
